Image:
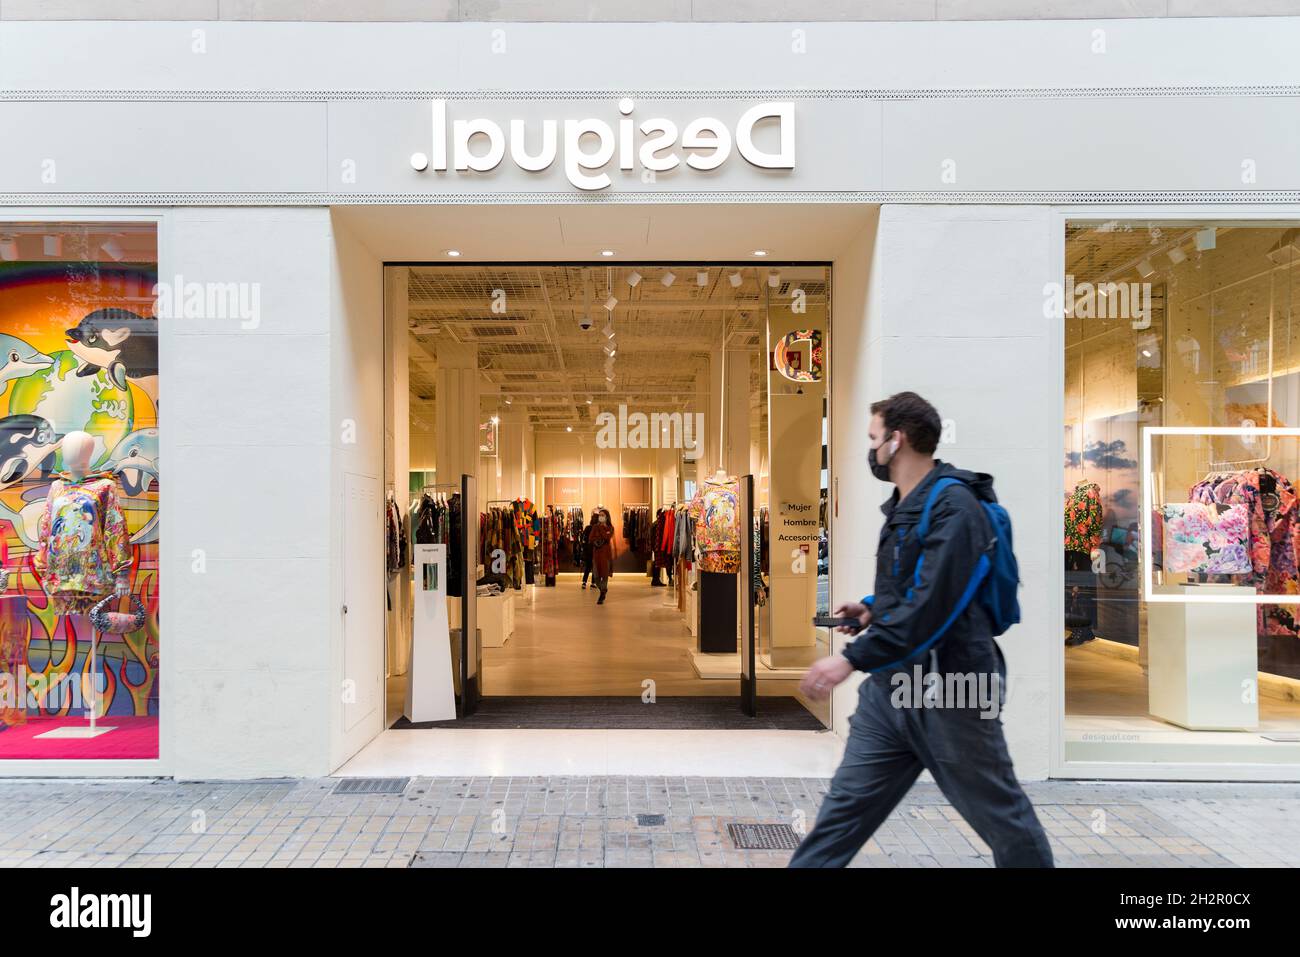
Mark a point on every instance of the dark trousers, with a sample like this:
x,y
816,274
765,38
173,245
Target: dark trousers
x,y
888,747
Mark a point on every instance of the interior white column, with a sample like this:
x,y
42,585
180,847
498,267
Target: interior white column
x,y
457,438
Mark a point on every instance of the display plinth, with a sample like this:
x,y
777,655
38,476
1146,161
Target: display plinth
x,y
496,617
430,689
1203,660
84,731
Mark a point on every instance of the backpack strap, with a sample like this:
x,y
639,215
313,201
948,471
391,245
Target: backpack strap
x,y
923,526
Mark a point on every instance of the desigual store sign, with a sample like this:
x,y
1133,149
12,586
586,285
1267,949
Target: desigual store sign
x,y
588,147
623,144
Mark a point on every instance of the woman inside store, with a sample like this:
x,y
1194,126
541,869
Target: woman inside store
x,y
582,547
600,541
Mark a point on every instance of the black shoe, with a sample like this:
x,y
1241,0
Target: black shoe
x,y
1079,636
600,600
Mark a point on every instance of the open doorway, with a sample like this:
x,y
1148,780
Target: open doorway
x,y
637,397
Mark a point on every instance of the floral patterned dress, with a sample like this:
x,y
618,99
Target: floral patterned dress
x,y
84,545
1083,518
716,510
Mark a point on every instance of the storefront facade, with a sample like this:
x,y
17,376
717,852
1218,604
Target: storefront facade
x,y
274,168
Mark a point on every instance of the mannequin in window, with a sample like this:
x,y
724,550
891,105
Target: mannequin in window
x,y
83,551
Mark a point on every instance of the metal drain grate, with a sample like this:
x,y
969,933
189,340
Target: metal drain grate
x,y
649,820
763,837
371,786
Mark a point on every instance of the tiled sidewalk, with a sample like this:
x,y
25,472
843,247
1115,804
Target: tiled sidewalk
x,y
593,822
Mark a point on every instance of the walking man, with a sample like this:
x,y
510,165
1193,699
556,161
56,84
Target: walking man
x,y
924,624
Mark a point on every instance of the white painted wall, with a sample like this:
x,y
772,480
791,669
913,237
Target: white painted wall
x,y
248,419
978,347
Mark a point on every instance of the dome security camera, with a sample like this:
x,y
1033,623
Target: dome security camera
x,y
585,323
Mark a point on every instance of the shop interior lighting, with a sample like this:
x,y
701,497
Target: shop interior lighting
x,y
608,331
1176,255
607,253
735,280
568,428
634,279
669,278
52,245
1145,269
113,250
610,303
453,253
773,279
702,277
1205,238
8,248
610,349
760,252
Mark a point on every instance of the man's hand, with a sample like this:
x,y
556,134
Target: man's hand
x,y
854,609
824,675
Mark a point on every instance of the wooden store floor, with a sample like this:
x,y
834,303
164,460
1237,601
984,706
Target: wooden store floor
x,y
1101,683
566,644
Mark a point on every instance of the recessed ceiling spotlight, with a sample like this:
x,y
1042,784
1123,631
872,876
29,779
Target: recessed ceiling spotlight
x,y
702,277
1145,269
774,279
760,252
607,253
1176,255
734,279
668,278
634,279
453,253
610,303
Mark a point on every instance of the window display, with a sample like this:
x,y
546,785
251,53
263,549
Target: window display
x,y
79,484
1182,380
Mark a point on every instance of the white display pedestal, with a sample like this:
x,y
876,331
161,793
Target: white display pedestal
x,y
1203,660
430,691
496,617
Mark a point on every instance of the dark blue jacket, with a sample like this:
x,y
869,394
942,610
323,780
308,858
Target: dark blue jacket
x,y
908,621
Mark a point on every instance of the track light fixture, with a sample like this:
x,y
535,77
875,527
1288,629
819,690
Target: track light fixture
x,y
610,303
735,280
669,278
1145,269
773,279
702,277
1176,255
634,279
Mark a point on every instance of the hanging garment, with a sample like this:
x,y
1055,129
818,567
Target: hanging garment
x,y
715,509
1083,518
1210,539
84,548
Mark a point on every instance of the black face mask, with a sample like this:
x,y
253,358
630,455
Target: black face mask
x,y
879,471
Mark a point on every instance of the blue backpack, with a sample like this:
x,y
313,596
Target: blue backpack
x,y
996,575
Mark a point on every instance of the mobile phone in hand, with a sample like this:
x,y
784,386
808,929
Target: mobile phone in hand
x,y
828,621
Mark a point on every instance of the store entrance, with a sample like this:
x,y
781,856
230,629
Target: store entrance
x,y
611,418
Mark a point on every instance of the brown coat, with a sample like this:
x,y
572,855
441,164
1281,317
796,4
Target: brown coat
x,y
601,540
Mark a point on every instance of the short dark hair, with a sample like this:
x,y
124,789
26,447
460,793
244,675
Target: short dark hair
x,y
910,414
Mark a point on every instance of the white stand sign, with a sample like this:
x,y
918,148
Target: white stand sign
x,y
430,692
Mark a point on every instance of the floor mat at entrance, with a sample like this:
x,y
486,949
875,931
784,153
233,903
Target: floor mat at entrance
x,y
687,713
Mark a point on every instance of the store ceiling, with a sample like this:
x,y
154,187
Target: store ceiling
x,y
525,322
